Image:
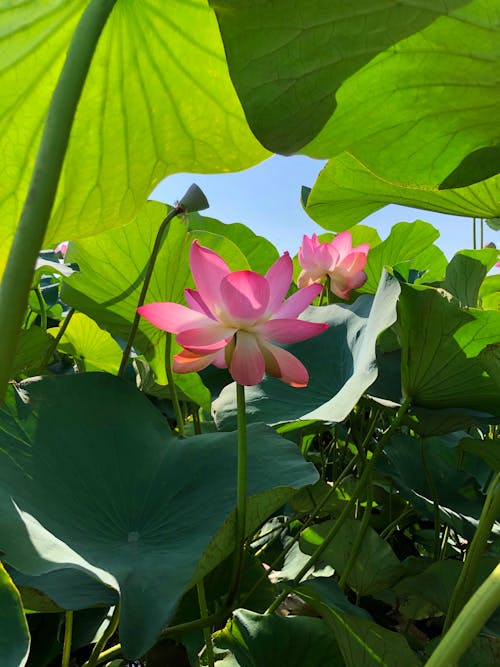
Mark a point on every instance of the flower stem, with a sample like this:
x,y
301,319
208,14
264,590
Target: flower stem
x,y
207,635
62,328
171,386
468,623
362,482
468,576
241,494
43,307
68,635
365,522
35,216
145,285
435,500
104,638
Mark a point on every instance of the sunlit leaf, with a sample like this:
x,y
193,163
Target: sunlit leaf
x,y
346,192
94,348
158,100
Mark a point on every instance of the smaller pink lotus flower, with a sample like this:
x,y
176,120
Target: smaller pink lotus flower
x,y
233,317
337,259
62,248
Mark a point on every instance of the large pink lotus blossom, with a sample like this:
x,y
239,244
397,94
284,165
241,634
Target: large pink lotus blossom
x,y
337,259
233,317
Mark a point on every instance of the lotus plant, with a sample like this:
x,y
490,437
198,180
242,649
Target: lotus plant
x,y
337,259
232,318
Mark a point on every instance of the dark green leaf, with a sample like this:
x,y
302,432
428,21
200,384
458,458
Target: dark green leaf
x,y
119,498
282,641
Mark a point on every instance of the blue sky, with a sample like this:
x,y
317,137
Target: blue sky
x,y
266,198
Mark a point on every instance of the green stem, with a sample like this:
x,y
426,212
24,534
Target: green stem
x,y
207,635
241,494
145,285
363,480
481,233
62,328
171,386
474,243
435,499
468,623
173,631
68,635
359,537
391,527
43,307
468,576
104,638
35,216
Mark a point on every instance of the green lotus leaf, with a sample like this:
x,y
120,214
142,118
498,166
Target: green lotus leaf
x,y
157,100
14,638
92,480
346,192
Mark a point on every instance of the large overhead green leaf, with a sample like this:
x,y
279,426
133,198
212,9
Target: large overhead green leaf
x,y
14,638
341,364
440,344
91,479
346,191
423,112
158,100
288,60
112,266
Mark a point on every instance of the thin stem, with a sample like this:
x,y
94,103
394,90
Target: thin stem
x,y
241,494
444,542
196,419
207,635
306,524
435,499
104,638
363,480
323,294
62,328
171,386
468,623
359,537
174,630
481,233
43,307
145,285
68,636
35,216
391,527
474,243
468,575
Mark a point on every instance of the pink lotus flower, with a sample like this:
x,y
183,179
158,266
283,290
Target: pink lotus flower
x,y
62,248
232,318
337,259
